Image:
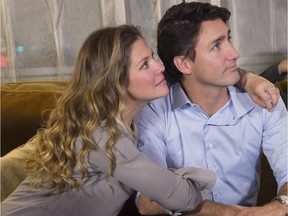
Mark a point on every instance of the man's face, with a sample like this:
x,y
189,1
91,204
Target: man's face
x,y
216,58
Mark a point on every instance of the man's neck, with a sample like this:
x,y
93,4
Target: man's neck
x,y
209,98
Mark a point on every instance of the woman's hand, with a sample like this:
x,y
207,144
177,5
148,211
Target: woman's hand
x,y
261,90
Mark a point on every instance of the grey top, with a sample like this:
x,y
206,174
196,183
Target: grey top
x,y
134,171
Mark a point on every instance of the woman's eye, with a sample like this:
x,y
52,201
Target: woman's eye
x,y
145,65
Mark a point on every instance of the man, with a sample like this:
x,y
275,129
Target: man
x,y
208,123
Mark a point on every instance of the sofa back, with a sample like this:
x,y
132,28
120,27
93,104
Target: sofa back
x,y
24,106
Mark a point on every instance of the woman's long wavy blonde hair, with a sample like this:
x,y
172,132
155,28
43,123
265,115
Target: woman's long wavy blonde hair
x,y
94,94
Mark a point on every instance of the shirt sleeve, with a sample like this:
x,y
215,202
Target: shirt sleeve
x,y
181,190
275,143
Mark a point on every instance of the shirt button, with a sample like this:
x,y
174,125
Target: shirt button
x,y
210,145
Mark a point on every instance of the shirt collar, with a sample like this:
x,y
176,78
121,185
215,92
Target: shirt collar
x,y
241,101
178,95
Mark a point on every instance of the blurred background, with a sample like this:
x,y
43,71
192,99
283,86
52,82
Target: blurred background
x,y
40,39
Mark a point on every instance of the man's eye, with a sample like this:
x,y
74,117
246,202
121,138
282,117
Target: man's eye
x,y
216,46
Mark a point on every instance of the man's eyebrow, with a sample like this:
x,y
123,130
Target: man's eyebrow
x,y
221,38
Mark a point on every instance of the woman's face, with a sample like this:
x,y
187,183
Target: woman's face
x,y
146,79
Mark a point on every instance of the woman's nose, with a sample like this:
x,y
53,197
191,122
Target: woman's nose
x,y
160,67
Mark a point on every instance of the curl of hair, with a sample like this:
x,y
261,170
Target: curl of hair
x,y
94,96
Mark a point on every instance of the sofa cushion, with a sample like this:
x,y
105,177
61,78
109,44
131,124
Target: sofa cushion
x,y
12,172
22,110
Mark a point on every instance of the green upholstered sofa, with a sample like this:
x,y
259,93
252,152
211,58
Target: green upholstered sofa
x,y
24,105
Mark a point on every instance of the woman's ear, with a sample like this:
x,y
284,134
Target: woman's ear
x,y
182,64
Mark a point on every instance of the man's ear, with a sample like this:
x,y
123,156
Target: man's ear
x,y
182,64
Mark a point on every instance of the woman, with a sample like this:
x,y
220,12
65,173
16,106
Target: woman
x,y
86,161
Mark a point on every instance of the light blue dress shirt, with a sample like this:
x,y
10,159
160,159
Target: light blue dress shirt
x,y
175,132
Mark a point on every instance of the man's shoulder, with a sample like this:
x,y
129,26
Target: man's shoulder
x,y
240,96
243,103
160,104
